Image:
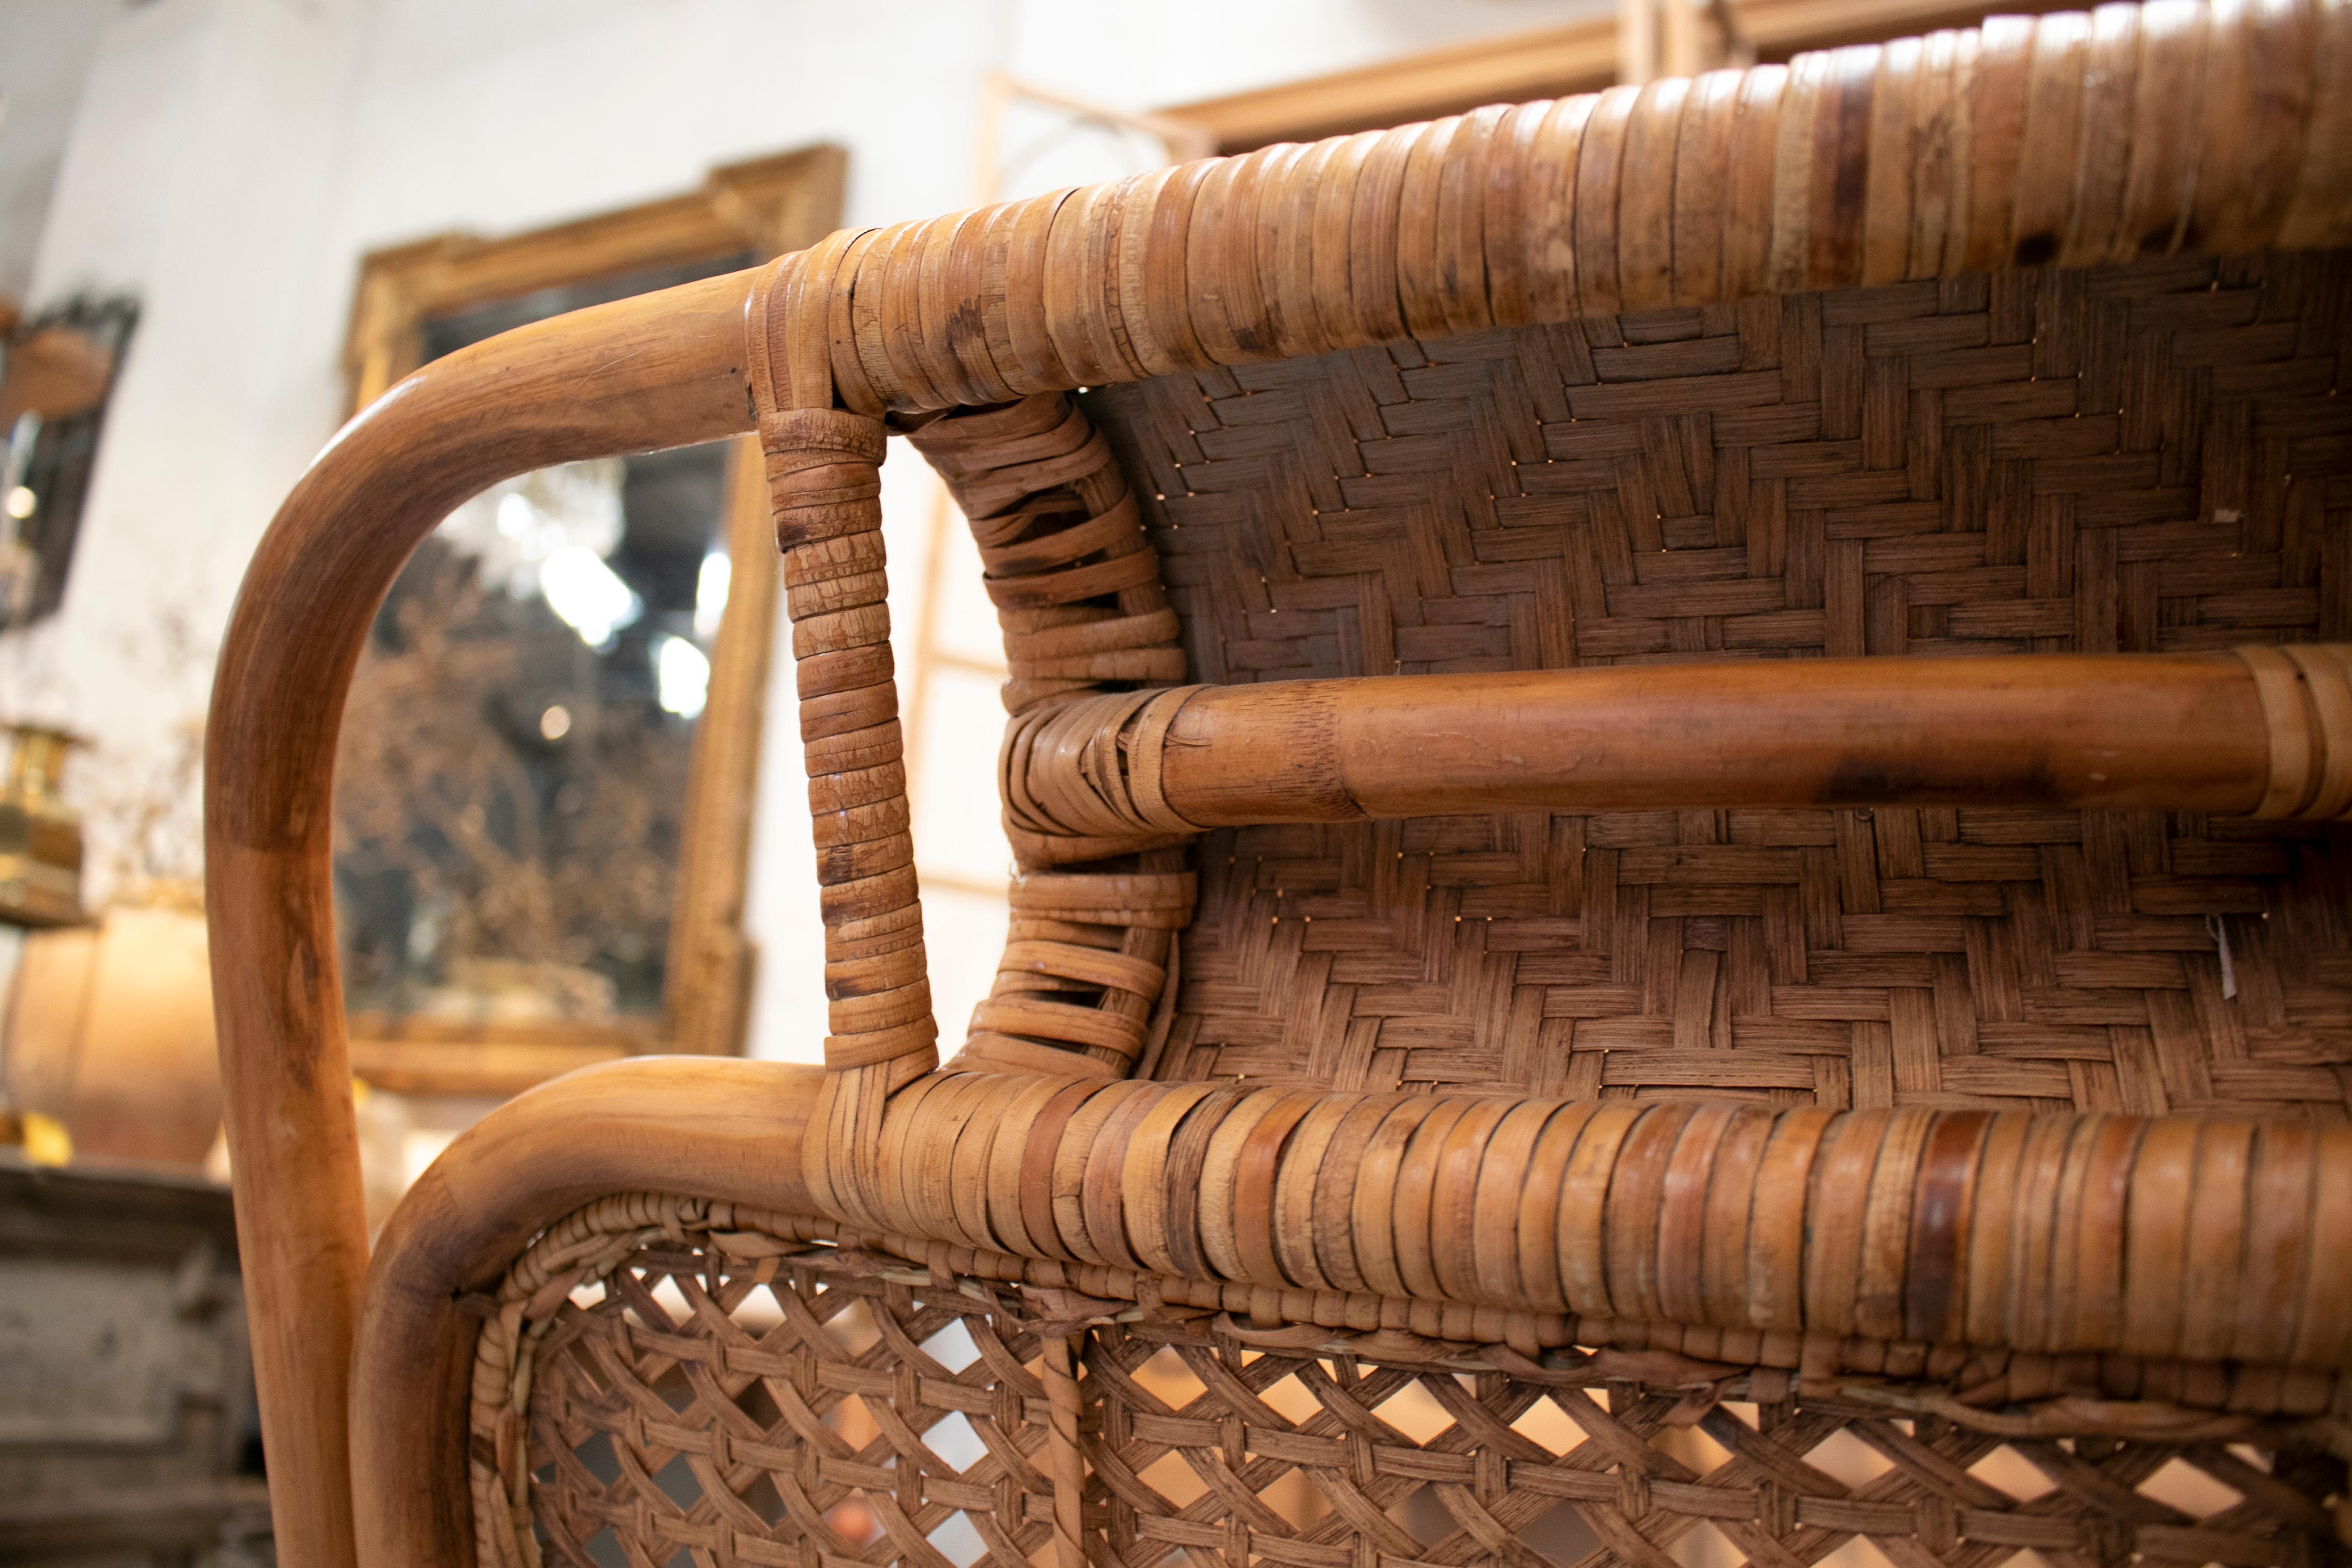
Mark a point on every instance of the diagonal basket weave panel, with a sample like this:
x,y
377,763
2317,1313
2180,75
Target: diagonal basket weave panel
x,y
2136,460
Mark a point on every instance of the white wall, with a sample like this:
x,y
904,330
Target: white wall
x,y
231,160
46,48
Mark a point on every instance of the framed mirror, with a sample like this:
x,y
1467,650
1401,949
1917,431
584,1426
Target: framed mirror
x,y
544,787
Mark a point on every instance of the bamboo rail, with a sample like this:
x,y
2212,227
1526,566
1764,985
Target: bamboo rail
x,y
2264,733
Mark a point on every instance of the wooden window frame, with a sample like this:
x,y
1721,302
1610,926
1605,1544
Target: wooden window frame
x,y
1552,62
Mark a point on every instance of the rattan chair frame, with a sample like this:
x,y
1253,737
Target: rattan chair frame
x,y
2024,1274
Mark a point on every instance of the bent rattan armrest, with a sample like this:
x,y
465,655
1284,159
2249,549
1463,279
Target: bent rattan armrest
x,y
1444,1011
642,373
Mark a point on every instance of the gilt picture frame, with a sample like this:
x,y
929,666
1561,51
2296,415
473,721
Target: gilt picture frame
x,y
743,214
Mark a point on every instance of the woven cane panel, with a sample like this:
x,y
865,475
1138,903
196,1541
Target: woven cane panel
x,y
2143,458
803,1409
711,1391
1208,1453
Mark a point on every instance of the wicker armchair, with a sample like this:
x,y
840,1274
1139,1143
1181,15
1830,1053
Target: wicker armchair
x,y
1678,762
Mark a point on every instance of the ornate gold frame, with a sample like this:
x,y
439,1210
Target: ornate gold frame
x,y
768,206
1626,45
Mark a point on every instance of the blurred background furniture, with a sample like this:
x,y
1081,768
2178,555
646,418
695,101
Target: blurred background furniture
x,y
127,1430
109,1032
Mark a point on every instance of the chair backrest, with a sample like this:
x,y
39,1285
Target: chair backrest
x,y
2140,458
1919,349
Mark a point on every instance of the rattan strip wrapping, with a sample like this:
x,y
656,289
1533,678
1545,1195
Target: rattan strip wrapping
x,y
719,1429
1764,1237
1090,769
1101,888
825,486
1076,583
2075,138
2306,693
823,476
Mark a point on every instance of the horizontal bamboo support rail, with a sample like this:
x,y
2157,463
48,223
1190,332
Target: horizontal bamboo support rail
x,y
2259,732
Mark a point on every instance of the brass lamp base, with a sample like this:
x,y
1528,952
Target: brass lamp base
x,y
35,894
40,835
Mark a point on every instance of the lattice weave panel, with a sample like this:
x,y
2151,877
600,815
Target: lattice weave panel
x,y
704,1386
2151,459
745,1397
1212,1451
